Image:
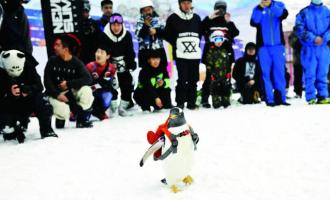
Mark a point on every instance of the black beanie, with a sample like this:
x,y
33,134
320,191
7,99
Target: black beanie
x,y
184,0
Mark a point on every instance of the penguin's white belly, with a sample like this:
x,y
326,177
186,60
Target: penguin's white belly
x,y
178,165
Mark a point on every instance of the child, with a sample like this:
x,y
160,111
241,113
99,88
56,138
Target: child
x,y
218,65
154,85
104,82
247,74
120,42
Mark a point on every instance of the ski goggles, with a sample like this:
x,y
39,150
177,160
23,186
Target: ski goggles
x,y
116,19
218,39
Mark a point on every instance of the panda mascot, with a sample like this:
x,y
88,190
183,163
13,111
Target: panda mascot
x,y
20,96
174,144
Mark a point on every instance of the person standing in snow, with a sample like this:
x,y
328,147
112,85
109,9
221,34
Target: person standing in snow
x,y
183,32
313,30
217,22
119,40
267,17
107,7
150,33
104,82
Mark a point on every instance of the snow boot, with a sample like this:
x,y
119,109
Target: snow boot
x,y
122,110
46,128
59,123
83,119
8,133
113,108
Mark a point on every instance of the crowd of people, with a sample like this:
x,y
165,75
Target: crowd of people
x,y
98,79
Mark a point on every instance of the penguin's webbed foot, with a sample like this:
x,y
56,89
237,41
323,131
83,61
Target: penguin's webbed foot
x,y
188,180
175,189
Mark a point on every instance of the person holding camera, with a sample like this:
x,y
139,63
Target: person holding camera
x,y
150,33
20,96
219,20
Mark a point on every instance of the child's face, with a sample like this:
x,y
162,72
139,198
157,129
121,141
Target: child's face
x,y
218,44
154,62
101,56
251,52
116,28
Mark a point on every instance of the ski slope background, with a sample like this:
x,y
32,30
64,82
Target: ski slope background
x,y
245,152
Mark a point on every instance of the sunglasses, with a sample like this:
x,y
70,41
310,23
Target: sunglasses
x,y
116,19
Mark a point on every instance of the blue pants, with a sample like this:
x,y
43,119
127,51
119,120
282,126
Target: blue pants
x,y
316,60
102,100
272,62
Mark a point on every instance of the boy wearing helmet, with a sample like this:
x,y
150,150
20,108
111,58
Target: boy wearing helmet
x,y
150,33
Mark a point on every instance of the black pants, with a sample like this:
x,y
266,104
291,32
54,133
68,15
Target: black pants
x,y
206,87
126,86
21,109
188,76
145,100
247,93
143,57
297,81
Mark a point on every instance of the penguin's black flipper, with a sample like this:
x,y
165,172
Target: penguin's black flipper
x,y
163,181
155,147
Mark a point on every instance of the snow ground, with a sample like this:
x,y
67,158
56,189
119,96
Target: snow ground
x,y
245,152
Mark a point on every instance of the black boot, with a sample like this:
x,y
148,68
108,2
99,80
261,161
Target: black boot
x,y
49,133
83,119
10,136
46,128
19,135
59,123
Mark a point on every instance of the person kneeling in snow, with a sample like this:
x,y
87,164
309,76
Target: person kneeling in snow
x,y
20,96
247,74
154,85
104,82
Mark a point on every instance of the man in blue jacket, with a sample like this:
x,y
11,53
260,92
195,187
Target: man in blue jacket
x,y
313,30
267,17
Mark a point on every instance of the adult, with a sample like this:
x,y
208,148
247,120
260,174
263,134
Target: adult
x,y
217,21
313,30
106,7
150,33
267,17
67,84
183,32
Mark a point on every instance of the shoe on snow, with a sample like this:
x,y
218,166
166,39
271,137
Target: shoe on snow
x,y
59,123
323,101
312,102
11,136
84,124
206,105
20,137
48,134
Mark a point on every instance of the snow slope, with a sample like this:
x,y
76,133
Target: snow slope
x,y
245,152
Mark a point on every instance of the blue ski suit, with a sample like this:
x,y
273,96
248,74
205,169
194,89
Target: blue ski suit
x,y
271,53
311,22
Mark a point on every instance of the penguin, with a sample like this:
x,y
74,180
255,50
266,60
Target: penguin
x,y
175,147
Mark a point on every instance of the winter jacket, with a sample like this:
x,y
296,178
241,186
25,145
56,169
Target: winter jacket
x,y
218,62
183,32
106,74
102,22
219,23
58,70
242,73
268,22
296,46
149,77
311,22
29,83
142,33
88,37
121,46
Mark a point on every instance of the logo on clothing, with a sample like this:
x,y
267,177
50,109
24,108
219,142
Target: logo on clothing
x,y
190,47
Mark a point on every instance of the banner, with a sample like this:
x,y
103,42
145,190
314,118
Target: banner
x,y
60,16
